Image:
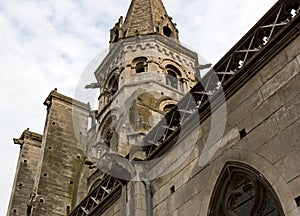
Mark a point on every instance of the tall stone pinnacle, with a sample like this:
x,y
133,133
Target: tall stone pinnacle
x,y
145,17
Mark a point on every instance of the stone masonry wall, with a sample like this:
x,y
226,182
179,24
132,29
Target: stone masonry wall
x,y
62,156
268,108
30,147
131,203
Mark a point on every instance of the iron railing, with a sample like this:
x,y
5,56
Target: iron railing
x,y
105,191
234,62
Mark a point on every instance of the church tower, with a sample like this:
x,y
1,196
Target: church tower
x,y
146,72
143,76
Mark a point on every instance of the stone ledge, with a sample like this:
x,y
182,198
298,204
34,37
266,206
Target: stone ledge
x,y
54,94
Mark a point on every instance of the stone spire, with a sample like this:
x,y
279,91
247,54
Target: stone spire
x,y
145,17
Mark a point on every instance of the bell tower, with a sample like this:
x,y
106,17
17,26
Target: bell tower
x,y
142,77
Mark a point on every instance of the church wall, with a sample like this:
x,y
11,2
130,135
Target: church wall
x,y
26,170
267,107
113,210
62,156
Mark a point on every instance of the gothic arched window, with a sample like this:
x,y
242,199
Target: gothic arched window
x,y
242,191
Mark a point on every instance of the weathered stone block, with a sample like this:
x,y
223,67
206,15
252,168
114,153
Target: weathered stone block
x,y
244,109
280,145
293,49
174,213
289,166
244,93
273,66
109,211
261,113
191,207
295,212
280,79
261,134
295,186
186,192
159,182
298,59
139,212
285,195
290,90
289,113
161,209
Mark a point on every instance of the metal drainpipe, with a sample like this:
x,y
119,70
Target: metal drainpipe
x,y
148,197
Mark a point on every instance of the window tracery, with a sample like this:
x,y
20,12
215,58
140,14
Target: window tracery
x,y
242,191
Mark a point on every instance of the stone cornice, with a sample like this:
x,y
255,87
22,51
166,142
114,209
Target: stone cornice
x,y
29,135
152,42
70,101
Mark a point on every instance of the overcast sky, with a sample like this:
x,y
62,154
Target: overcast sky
x,y
48,44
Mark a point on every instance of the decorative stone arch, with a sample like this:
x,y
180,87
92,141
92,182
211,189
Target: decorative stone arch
x,y
242,191
174,70
253,159
166,104
140,64
169,62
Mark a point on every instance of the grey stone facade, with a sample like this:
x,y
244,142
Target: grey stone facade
x,y
266,107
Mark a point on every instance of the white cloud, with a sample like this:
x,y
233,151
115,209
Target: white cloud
x,y
213,27
48,44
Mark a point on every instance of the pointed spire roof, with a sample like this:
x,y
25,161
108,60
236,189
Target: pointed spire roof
x,y
145,17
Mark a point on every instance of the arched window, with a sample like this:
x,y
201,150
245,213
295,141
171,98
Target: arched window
x,y
172,76
140,67
140,64
113,84
108,132
242,191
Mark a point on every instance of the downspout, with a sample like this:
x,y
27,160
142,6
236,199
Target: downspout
x,y
147,185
